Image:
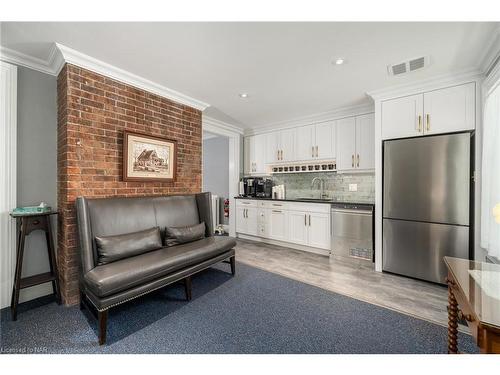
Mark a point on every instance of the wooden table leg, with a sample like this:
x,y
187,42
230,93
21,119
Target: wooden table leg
x,y
19,268
52,260
452,322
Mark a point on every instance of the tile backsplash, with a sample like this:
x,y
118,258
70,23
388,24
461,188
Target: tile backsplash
x,y
298,185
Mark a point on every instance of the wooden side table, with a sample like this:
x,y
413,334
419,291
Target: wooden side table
x,y
474,295
28,223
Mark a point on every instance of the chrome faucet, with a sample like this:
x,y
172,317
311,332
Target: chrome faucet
x,y
322,194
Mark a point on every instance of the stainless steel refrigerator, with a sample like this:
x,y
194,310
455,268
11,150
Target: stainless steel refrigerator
x,y
426,204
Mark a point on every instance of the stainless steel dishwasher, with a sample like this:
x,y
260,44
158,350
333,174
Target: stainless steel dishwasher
x,y
352,231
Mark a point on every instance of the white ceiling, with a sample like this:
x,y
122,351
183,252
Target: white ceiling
x,y
286,68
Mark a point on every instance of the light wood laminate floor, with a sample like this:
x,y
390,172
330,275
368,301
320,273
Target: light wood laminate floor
x,y
413,297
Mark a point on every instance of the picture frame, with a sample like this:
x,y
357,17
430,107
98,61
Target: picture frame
x,y
148,158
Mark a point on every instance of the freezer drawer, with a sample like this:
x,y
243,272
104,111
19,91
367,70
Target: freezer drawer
x,y
417,249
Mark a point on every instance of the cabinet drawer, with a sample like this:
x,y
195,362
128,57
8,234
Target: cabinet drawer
x,y
275,205
310,207
246,203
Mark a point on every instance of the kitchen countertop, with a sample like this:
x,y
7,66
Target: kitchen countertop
x,y
308,201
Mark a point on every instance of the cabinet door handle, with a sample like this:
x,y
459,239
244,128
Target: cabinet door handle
x,y
428,122
419,128
358,160
316,151
281,154
312,151
352,160
309,220
277,211
305,220
245,213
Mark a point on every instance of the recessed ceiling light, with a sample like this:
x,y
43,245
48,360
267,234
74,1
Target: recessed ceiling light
x,y
243,95
339,61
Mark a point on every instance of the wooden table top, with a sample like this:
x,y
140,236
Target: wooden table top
x,y
480,284
28,214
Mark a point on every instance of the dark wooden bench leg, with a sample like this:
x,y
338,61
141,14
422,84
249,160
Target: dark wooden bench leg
x,y
233,264
82,303
102,317
188,288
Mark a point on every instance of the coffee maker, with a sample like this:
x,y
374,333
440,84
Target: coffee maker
x,y
258,187
247,187
263,187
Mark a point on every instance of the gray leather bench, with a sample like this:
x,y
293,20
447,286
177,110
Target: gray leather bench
x,y
127,251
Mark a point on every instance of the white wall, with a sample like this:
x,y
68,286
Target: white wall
x,y
216,166
36,163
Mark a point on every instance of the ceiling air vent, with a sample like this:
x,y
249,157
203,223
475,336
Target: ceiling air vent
x,y
408,66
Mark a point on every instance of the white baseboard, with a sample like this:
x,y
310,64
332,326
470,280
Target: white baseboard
x,y
309,249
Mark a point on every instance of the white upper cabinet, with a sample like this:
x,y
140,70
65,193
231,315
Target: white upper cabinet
x,y
356,143
272,147
450,110
365,141
346,143
287,145
402,117
440,111
325,140
304,142
280,146
315,141
255,154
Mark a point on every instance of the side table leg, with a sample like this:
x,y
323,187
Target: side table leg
x,y
52,260
452,322
19,268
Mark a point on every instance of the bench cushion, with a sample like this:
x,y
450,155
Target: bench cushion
x,y
179,235
113,248
111,278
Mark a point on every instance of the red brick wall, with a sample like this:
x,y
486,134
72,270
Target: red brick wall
x,y
93,111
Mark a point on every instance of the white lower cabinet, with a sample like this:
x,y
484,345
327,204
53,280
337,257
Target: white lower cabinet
x,y
305,224
319,230
246,219
298,227
262,223
310,229
278,224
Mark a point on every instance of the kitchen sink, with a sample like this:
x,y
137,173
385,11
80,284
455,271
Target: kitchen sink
x,y
317,199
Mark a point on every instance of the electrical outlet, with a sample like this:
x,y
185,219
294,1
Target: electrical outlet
x,y
353,187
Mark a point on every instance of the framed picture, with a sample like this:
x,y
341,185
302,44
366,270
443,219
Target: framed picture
x,y
148,158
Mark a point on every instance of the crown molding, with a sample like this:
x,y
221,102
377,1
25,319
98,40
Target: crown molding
x,y
220,127
49,66
335,114
60,54
492,53
428,84
74,57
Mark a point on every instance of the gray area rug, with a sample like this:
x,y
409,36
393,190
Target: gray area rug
x,y
253,312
